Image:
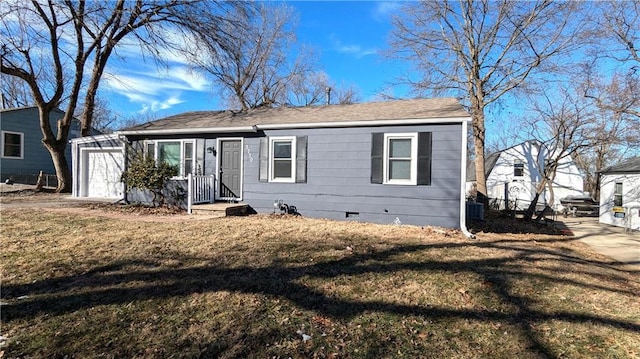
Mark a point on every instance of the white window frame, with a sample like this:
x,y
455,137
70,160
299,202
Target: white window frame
x,y
617,194
21,145
181,172
291,139
518,164
413,180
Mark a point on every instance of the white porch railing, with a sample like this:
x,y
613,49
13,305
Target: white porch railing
x,y
201,190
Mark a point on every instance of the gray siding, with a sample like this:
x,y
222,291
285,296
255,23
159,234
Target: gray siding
x,y
339,176
36,158
338,179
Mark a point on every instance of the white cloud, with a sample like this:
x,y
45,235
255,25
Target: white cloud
x,y
352,49
385,8
356,50
152,88
154,106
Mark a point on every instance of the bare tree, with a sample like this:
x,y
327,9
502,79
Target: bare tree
x,y
346,95
562,125
615,131
316,88
619,46
60,50
15,93
255,69
308,89
481,50
103,118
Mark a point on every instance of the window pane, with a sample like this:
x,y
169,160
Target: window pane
x,y
518,169
617,196
169,152
399,169
400,148
188,150
282,149
12,144
282,169
151,150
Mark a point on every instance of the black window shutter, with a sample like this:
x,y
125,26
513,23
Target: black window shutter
x,y
301,159
264,159
424,158
377,157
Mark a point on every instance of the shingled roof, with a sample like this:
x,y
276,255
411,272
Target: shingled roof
x,y
629,166
438,109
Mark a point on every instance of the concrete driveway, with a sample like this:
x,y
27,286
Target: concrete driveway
x,y
611,241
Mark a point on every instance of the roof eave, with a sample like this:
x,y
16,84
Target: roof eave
x,y
302,125
189,131
363,123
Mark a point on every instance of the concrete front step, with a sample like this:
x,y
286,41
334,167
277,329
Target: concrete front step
x,y
221,209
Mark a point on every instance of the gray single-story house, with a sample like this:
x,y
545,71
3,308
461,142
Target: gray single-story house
x,y
386,162
22,154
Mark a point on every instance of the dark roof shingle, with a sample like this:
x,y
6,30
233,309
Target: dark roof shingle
x,y
629,166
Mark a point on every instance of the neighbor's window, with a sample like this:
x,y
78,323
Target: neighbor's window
x,y
518,168
12,144
282,151
617,195
401,152
175,153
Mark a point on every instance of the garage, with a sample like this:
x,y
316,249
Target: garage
x,y
101,171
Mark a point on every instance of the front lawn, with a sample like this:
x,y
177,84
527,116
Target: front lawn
x,y
83,285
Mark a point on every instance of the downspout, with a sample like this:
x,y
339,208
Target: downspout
x,y
463,180
125,150
75,163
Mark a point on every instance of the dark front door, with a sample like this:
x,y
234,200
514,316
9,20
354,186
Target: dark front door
x,y
230,168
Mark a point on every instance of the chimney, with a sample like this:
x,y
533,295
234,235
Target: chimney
x,y
328,95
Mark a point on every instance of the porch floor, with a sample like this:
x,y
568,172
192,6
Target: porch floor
x,y
221,209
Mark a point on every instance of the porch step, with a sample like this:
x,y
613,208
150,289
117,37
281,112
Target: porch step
x,y
220,209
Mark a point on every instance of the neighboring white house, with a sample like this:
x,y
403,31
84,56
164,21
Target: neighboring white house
x,y
513,174
620,194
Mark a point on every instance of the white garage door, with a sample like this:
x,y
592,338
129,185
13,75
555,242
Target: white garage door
x,y
102,172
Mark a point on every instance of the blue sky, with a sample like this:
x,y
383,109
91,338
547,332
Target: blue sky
x,y
348,37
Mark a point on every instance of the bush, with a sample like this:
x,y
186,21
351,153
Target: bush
x,y
145,174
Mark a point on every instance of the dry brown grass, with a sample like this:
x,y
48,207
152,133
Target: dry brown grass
x,y
86,285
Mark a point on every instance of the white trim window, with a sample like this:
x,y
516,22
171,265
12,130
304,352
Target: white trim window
x,y
518,168
400,158
178,153
12,145
617,194
282,159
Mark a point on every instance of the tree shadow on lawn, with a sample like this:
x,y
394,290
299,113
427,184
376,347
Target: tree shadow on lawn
x,y
111,284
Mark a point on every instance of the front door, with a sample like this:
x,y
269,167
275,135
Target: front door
x,y
230,169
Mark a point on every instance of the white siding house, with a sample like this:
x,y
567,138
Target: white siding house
x,y
620,194
514,173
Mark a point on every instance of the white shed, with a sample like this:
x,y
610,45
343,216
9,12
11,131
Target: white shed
x,y
620,194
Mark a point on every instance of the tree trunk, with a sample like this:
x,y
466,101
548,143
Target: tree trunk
x,y
477,113
531,210
63,172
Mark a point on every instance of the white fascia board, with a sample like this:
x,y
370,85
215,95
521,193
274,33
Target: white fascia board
x,y
189,131
411,121
86,139
283,126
